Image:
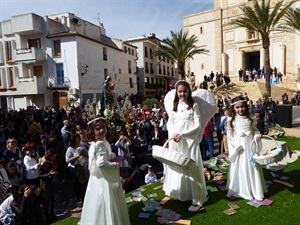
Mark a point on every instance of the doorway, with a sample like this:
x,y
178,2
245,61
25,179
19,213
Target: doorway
x,y
252,60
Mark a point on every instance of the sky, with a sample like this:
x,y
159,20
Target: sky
x,y
122,19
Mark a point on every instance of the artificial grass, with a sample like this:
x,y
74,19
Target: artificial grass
x,y
284,210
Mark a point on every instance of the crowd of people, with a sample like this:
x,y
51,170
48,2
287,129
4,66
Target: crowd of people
x,y
42,148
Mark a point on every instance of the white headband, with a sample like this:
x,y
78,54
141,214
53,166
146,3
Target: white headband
x,y
239,101
96,119
179,82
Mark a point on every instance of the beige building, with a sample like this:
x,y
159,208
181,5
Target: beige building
x,y
232,48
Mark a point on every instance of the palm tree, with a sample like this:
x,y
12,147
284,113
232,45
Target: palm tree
x,y
292,19
262,18
179,49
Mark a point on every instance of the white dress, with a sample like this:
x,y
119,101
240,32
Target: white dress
x,y
244,180
104,201
186,184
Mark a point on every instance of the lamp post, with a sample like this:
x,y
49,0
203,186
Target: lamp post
x,y
84,71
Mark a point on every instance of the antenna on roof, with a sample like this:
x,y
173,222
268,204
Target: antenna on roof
x,y
98,19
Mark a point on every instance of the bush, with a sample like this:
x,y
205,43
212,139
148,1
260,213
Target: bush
x,y
149,102
265,96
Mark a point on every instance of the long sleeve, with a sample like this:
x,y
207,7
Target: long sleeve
x,y
108,170
30,164
5,181
196,122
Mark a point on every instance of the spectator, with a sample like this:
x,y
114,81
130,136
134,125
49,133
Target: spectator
x,y
150,177
47,175
285,98
124,151
31,164
156,136
209,137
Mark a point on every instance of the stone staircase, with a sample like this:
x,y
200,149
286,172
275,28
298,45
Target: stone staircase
x,y
255,90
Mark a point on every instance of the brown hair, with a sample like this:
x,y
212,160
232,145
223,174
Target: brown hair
x,y
247,112
91,127
189,98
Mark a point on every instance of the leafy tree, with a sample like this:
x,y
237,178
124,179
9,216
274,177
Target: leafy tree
x,y
179,48
292,19
149,102
261,17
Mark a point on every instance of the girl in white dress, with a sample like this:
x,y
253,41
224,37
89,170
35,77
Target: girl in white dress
x,y
245,179
104,201
184,126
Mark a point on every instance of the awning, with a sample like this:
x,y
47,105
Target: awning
x,y
26,61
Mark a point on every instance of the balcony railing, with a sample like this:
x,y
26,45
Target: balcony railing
x,y
29,55
54,82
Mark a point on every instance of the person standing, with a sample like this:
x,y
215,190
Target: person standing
x,y
208,135
241,74
186,128
104,201
245,179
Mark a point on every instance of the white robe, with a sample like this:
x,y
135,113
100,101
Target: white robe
x,y
104,201
244,179
186,184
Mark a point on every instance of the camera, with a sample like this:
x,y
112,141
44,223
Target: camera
x,y
32,187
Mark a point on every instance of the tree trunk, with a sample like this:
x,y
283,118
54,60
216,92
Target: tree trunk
x,y
266,46
181,71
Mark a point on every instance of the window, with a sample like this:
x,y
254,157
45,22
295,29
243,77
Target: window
x,y
146,52
1,85
11,80
146,67
159,69
105,73
9,51
34,43
150,52
132,52
104,54
202,66
168,71
120,71
57,48
130,82
164,70
201,30
125,49
38,70
172,72
151,68
60,77
129,66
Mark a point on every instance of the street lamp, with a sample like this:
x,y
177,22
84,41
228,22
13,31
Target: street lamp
x,y
84,69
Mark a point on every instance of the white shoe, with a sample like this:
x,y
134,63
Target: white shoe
x,y
194,208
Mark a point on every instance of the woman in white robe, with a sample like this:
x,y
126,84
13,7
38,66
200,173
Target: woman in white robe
x,y
245,178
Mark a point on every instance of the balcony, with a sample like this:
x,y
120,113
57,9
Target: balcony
x,y
29,55
30,85
27,24
62,83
